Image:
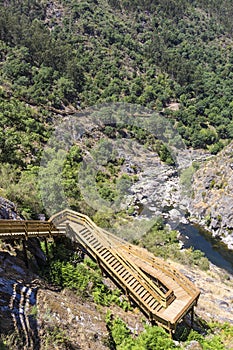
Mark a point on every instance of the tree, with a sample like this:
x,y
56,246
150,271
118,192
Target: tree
x,y
17,65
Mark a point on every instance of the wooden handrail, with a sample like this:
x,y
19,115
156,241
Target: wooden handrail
x,y
131,249
75,217
138,262
183,281
160,264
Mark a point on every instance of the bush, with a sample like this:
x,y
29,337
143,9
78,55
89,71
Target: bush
x,y
164,243
155,338
66,270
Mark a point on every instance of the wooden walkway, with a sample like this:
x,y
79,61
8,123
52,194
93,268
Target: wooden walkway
x,y
161,292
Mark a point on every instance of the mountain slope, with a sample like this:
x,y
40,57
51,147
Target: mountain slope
x,y
58,57
212,200
82,53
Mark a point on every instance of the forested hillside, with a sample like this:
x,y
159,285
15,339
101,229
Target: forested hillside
x,y
59,56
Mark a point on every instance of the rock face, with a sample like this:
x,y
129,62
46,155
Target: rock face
x,y
17,296
212,204
17,292
8,210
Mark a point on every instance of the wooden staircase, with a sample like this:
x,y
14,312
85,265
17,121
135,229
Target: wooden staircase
x,y
161,292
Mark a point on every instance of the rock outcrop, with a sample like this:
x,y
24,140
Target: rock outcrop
x,y
8,210
212,203
17,291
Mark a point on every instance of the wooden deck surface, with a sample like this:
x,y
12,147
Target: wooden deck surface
x,y
163,293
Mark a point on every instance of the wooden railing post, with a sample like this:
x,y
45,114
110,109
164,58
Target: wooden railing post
x,y
127,293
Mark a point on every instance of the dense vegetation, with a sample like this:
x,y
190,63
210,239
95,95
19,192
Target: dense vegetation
x,y
66,269
217,337
153,53
58,56
63,55
164,243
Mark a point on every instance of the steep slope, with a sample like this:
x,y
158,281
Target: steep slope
x,y
58,57
39,315
212,202
63,53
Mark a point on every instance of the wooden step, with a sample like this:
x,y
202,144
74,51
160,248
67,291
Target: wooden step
x,y
115,264
134,280
140,290
121,270
159,308
111,259
143,293
117,269
91,240
106,254
134,284
123,274
61,227
127,275
151,298
97,246
129,278
153,303
86,235
101,249
84,230
147,297
137,288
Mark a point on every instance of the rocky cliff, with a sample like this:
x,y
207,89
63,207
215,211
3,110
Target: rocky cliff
x,y
212,203
8,210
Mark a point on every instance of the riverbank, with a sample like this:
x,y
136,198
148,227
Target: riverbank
x,y
211,205
193,235
168,192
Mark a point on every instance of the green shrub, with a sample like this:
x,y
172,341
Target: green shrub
x,y
152,338
56,336
164,243
83,277
3,346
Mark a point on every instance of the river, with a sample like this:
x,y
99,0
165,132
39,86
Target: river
x,y
217,252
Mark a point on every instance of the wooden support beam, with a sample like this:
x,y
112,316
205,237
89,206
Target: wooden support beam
x,y
25,253
170,333
46,249
99,265
151,319
127,293
81,254
192,317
